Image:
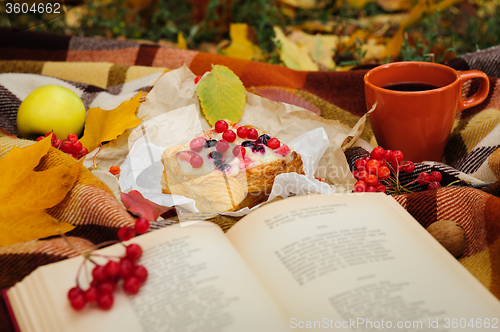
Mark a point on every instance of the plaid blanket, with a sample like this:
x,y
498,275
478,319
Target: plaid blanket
x,y
106,72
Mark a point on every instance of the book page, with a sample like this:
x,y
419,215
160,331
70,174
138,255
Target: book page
x,y
358,263
197,282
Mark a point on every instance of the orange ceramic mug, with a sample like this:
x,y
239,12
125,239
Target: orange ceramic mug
x,y
416,105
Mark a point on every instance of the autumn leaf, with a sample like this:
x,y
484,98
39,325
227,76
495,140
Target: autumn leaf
x,y
222,95
142,207
291,54
102,126
181,41
241,47
26,194
422,8
320,48
306,4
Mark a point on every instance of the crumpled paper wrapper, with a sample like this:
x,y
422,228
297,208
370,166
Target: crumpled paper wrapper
x,y
172,116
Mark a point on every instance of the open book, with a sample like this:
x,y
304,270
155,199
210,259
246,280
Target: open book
x,y
353,262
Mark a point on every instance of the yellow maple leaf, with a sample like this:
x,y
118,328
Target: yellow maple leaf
x,y
292,55
102,126
26,194
241,47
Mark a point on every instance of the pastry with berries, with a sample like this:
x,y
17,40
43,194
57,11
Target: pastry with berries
x,y
227,168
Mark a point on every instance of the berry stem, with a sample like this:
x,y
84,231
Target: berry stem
x,y
79,271
454,182
93,159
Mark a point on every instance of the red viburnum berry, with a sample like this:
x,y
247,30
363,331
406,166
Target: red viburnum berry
x,y
423,178
141,225
436,176
360,186
408,166
115,170
84,151
362,175
72,138
384,172
112,269
388,155
131,285
397,155
377,152
381,188
126,233
372,166
133,252
141,273
126,267
78,302
433,185
370,189
105,301
106,287
74,291
98,273
360,164
91,294
197,79
371,180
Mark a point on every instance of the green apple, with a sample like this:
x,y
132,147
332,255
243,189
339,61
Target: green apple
x,y
51,108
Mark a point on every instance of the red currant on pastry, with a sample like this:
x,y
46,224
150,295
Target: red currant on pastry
x,y
196,161
197,144
253,133
242,132
239,151
221,126
273,143
229,136
222,146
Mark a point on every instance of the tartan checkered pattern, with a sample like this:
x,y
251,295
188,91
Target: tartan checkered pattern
x,y
107,71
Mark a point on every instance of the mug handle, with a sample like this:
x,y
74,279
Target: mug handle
x,y
480,95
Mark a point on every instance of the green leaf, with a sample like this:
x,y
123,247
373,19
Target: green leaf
x,y
222,95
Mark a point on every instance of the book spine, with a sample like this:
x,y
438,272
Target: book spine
x,y
9,310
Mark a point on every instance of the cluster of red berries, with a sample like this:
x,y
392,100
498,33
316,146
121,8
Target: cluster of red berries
x,y
141,226
380,171
71,145
250,139
105,279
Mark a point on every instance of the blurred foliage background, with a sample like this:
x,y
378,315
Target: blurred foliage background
x,y
300,34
